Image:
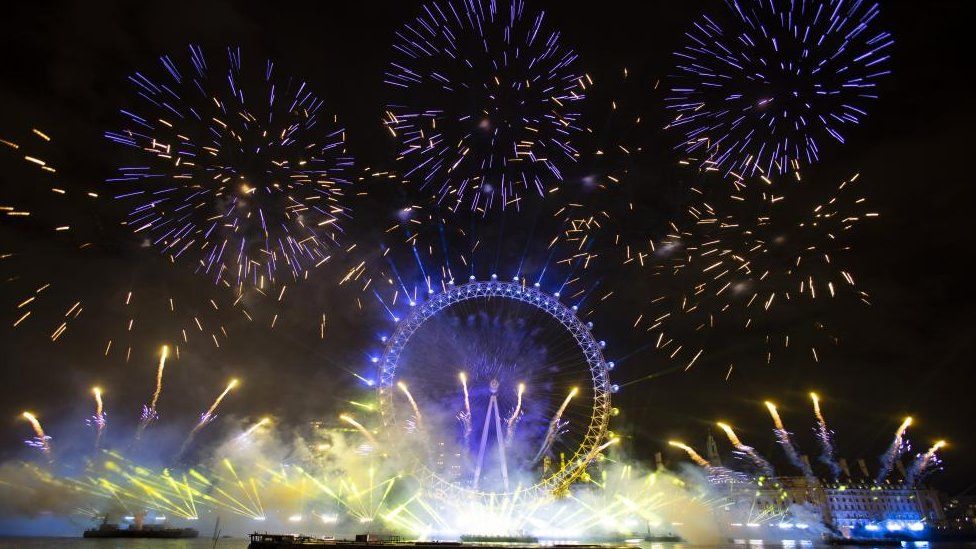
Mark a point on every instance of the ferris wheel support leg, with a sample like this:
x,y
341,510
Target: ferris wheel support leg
x,y
484,443
501,442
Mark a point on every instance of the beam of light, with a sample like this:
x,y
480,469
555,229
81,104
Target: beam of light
x,y
695,456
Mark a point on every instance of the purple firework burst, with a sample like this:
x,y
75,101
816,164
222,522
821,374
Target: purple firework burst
x,y
759,87
234,167
485,103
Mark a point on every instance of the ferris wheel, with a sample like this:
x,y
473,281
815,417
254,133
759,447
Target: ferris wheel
x,y
497,388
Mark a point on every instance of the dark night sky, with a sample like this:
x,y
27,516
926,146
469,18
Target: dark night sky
x,y
63,67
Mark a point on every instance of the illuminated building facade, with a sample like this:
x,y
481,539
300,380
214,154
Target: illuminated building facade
x,y
850,509
891,507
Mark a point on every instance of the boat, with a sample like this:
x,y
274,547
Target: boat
x,y
277,541
139,530
107,530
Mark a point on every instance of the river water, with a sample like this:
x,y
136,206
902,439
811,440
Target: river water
x,y
237,543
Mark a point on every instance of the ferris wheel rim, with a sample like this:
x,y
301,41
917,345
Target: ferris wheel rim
x,y
592,351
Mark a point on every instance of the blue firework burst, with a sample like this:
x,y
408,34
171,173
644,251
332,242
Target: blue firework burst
x,y
485,103
760,87
234,167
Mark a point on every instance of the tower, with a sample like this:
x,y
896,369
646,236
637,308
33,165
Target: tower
x,y
711,451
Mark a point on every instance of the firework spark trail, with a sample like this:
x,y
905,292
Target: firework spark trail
x,y
760,93
695,456
485,103
758,461
465,415
163,355
826,438
149,413
897,448
512,420
555,425
246,435
747,264
40,440
359,427
924,464
207,416
786,441
99,418
413,404
235,168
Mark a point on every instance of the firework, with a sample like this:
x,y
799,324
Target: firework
x,y
766,261
716,474
98,420
513,419
899,445
149,413
207,417
484,103
127,314
418,418
36,193
130,303
924,464
700,461
40,441
237,169
786,441
465,415
748,452
246,435
556,425
763,84
826,438
359,427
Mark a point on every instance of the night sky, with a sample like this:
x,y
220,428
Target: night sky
x,y
63,70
